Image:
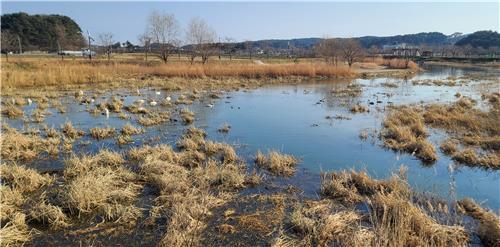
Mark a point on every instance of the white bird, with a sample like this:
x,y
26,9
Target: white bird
x,y
141,101
158,92
152,103
29,101
107,112
138,92
210,105
92,100
168,98
80,93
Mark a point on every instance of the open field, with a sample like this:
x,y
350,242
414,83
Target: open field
x,y
130,153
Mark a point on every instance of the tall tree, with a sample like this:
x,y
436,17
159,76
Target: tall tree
x,y
145,41
351,50
201,36
164,30
106,41
9,45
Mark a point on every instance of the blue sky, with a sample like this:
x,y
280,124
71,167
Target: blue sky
x,y
276,20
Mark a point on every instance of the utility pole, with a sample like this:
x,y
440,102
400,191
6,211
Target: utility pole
x,y
90,51
220,48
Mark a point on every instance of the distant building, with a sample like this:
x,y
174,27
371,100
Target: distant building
x,y
81,53
402,50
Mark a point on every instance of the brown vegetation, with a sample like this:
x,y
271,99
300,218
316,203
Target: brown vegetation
x,y
277,163
404,130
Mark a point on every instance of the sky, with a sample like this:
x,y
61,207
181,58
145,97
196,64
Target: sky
x,y
276,20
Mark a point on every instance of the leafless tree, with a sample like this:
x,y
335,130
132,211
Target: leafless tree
x,y
351,50
164,30
60,39
201,36
249,48
266,48
329,49
229,47
468,50
373,51
9,43
106,41
145,41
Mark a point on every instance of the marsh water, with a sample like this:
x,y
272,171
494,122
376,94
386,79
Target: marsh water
x,y
310,122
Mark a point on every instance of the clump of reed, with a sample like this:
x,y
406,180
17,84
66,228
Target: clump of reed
x,y
358,108
472,128
71,132
397,63
101,185
21,178
277,163
12,111
404,130
200,176
129,129
392,218
187,115
46,213
18,146
154,118
15,232
489,222
102,133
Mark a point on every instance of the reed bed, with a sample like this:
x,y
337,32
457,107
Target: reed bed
x,y
51,73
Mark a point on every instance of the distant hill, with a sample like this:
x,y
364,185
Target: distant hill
x,y
43,32
483,39
430,39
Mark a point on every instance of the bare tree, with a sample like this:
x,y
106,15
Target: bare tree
x,y
229,47
201,36
266,48
60,39
9,43
164,30
106,41
329,49
351,50
373,51
249,48
145,41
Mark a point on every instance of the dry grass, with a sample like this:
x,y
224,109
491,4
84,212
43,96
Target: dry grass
x,y
15,232
191,182
404,130
473,128
46,213
358,108
393,218
12,111
51,73
102,133
128,129
187,115
277,163
489,223
22,179
154,118
71,132
396,63
101,185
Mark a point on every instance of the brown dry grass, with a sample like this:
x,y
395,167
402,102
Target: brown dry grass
x,y
102,133
489,223
12,111
393,218
187,115
100,185
277,163
55,73
404,130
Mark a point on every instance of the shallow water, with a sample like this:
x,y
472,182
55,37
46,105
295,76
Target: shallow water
x,y
292,119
